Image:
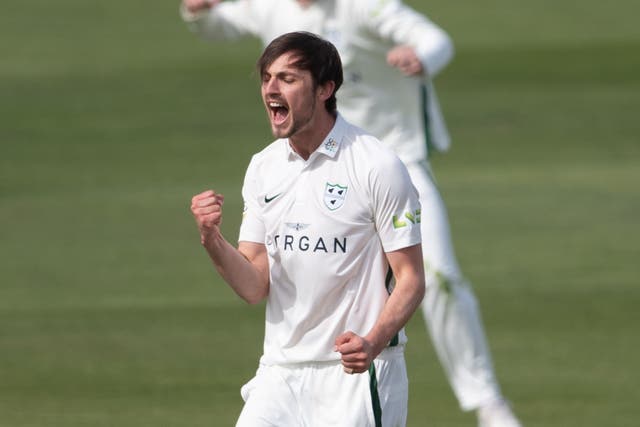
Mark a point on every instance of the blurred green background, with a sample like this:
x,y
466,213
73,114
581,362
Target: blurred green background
x,y
113,115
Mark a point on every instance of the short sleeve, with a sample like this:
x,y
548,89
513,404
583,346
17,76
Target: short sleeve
x,y
252,227
396,206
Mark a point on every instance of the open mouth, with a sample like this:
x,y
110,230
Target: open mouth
x,y
279,112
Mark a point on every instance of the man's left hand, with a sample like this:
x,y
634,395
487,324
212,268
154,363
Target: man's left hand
x,y
357,352
404,58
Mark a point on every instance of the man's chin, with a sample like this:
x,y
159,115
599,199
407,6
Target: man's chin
x,y
280,132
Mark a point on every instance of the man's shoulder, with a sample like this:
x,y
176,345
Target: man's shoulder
x,y
272,151
364,143
354,132
268,158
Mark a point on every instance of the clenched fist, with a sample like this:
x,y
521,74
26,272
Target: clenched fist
x,y
404,58
356,352
207,211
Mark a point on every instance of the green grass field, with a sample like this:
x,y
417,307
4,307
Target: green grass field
x,y
113,116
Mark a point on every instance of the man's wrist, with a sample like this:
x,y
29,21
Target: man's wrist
x,y
213,242
376,344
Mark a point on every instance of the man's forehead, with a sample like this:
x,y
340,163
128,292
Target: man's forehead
x,y
286,61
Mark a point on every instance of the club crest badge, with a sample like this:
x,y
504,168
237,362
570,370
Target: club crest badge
x,y
331,145
334,195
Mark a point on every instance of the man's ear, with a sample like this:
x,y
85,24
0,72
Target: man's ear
x,y
326,90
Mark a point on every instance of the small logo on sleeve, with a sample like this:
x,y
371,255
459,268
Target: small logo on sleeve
x,y
411,217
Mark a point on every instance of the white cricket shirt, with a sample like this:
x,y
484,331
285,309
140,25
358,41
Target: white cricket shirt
x,y
403,112
327,223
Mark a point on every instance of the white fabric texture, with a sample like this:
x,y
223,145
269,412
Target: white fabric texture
x,y
323,395
449,307
375,97
326,223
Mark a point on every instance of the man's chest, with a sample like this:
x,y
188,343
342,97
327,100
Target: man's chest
x,y
320,201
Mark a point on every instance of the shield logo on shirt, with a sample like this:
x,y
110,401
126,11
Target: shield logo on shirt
x,y
334,195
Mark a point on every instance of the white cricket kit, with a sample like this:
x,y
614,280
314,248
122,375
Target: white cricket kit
x,y
323,395
363,31
327,223
404,113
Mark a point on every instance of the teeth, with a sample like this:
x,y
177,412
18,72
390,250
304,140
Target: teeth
x,y
275,105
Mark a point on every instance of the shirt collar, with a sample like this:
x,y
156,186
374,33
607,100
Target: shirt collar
x,y
331,144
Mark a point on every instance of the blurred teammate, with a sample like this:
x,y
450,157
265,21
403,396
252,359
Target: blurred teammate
x,y
330,218
390,53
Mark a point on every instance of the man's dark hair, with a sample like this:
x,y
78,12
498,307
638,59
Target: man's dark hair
x,y
314,54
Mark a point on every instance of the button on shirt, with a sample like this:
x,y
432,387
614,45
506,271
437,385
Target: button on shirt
x,y
327,223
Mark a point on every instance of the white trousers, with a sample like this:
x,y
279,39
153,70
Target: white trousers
x,y
323,395
450,307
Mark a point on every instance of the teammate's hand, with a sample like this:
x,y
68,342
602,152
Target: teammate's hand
x,y
404,58
195,6
357,353
207,211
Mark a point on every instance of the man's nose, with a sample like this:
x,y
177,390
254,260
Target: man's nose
x,y
271,86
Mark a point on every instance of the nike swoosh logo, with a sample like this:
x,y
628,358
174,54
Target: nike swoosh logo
x,y
269,199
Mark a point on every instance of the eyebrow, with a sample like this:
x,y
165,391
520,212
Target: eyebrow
x,y
283,74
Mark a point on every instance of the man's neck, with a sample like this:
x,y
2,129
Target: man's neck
x,y
308,140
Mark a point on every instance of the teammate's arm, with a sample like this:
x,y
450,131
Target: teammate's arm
x,y
405,59
245,269
358,352
220,20
196,6
414,35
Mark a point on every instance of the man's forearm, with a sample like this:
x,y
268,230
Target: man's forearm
x,y
402,303
247,274
405,298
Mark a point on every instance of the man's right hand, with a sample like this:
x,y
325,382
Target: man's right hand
x,y
207,211
195,6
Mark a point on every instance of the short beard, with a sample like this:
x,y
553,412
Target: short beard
x,y
296,126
